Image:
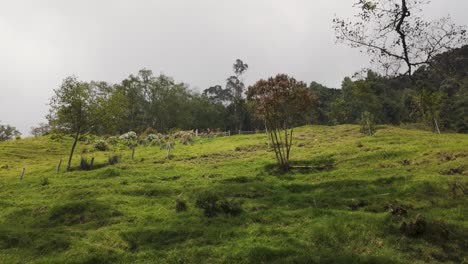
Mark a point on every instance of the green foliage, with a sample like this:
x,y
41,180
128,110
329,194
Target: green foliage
x,y
129,139
101,145
113,159
367,124
112,140
212,204
181,206
86,164
8,132
45,181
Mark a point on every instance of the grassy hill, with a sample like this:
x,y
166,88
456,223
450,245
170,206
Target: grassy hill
x,y
397,197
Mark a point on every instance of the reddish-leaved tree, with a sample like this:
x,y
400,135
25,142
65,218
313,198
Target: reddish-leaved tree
x,y
283,103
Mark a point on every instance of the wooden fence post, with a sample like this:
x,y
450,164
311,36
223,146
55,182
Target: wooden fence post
x,y
22,174
92,162
58,166
229,132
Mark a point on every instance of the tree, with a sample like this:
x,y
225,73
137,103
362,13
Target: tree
x,y
428,104
394,34
282,102
40,130
108,106
8,132
217,95
70,109
235,84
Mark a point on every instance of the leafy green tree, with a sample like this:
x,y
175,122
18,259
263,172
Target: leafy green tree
x,y
8,132
217,95
40,130
70,109
108,105
428,104
282,102
235,84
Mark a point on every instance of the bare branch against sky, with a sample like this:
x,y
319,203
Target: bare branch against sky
x,y
193,41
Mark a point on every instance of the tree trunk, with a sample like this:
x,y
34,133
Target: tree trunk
x,y
437,126
368,127
73,149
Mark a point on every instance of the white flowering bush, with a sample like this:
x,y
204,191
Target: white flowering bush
x,y
129,138
101,145
155,139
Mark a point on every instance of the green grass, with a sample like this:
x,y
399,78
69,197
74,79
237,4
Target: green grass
x,y
335,212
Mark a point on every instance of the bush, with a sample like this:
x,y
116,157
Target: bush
x,y
154,139
148,132
129,136
180,206
230,207
85,164
367,124
186,138
212,204
112,140
86,138
414,228
56,136
208,202
101,145
45,181
113,159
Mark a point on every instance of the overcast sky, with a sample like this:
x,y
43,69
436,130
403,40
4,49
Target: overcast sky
x,y
42,42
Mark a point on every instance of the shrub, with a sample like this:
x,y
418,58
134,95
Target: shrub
x,y
212,204
101,145
180,206
230,207
129,138
112,140
56,136
148,132
45,181
85,164
367,124
208,202
414,228
113,159
86,138
186,138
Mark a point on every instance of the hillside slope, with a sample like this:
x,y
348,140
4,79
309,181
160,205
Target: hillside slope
x,y
349,206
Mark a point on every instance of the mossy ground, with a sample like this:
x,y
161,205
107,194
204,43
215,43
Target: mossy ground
x,y
335,212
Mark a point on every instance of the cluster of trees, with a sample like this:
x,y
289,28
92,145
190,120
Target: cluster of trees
x,y
435,95
147,101
8,132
